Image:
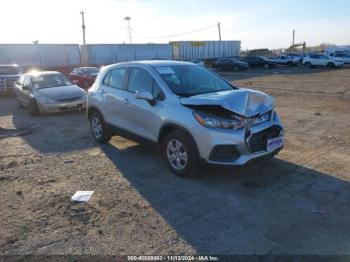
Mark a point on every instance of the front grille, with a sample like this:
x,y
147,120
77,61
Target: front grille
x,y
258,142
224,153
67,100
69,108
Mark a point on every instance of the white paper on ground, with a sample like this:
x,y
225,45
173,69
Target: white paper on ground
x,y
82,196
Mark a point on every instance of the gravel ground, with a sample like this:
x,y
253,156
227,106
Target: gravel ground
x,y
297,203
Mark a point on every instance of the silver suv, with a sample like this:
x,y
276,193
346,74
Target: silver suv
x,y
188,111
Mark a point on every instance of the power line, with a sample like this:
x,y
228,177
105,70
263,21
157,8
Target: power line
x,y
187,33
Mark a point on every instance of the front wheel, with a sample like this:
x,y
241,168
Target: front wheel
x,y
99,129
308,65
33,108
179,153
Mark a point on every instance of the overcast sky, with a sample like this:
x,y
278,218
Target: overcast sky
x,y
257,23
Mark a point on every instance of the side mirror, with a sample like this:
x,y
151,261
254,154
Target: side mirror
x,y
145,95
26,88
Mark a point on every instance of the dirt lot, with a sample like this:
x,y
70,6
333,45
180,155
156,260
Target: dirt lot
x,y
297,203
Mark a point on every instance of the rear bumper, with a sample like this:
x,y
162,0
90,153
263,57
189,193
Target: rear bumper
x,y
62,107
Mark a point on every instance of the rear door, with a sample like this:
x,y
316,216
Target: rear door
x,y
113,94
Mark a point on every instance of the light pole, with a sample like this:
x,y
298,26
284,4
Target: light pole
x,y
83,25
128,18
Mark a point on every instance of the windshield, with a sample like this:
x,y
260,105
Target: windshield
x,y
48,81
189,80
9,70
90,70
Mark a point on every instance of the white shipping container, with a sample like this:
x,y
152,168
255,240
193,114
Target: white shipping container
x,y
46,55
189,50
103,54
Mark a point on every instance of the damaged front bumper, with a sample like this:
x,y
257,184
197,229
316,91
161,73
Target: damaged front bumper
x,y
240,147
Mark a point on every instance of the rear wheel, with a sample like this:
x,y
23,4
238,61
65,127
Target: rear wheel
x,y
99,129
331,65
266,66
33,108
179,153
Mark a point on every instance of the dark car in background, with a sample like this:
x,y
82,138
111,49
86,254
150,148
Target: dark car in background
x,y
229,64
84,76
259,61
9,74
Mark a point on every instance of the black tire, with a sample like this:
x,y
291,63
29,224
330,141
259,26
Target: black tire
x,y
190,166
104,134
290,64
18,103
33,108
236,68
308,65
266,66
331,65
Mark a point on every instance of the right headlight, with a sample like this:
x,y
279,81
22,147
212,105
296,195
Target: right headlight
x,y
215,122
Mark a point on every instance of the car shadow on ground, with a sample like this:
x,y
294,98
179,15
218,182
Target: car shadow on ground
x,y
54,133
273,207
280,70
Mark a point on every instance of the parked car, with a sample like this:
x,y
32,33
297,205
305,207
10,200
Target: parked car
x,y
8,76
197,62
48,92
190,112
313,60
229,64
84,76
286,60
259,61
342,56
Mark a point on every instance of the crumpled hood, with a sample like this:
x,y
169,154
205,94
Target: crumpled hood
x,y
61,92
242,101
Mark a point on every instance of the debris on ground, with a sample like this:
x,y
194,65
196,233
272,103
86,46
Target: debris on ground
x,y
82,196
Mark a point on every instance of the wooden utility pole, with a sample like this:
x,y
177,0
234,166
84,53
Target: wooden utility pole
x,y
219,29
83,26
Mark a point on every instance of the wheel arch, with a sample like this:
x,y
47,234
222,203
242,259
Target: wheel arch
x,y
168,127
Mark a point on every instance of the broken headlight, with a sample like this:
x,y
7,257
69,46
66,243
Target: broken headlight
x,y
215,122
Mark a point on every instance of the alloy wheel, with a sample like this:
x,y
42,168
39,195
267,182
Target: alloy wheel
x,y
96,127
177,154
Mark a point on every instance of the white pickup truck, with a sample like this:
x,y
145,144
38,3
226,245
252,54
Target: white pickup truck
x,y
286,60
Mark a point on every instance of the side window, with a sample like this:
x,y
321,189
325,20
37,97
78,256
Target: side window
x,y
27,81
116,78
140,79
106,79
157,92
